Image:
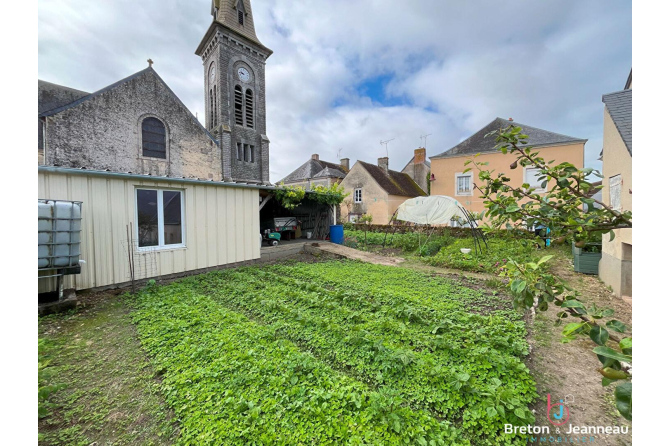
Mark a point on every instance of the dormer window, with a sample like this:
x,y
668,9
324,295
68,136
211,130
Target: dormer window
x,y
240,12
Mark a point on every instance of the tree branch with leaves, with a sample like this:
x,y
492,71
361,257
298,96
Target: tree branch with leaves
x,y
572,215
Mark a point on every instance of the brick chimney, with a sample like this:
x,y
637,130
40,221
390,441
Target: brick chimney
x,y
419,155
344,162
383,163
315,156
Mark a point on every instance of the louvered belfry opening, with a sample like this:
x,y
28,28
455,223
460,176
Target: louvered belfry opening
x,y
216,115
239,117
250,108
153,138
211,109
240,17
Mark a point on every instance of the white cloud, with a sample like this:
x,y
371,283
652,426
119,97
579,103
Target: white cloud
x,y
544,63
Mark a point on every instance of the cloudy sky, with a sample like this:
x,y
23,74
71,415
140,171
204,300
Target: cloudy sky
x,y
346,74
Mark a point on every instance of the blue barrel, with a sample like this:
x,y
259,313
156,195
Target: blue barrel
x,y
337,234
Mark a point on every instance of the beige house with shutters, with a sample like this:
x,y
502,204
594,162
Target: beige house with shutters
x,y
616,265
448,169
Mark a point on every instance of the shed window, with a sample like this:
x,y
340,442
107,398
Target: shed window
x,y
153,138
239,116
463,184
535,179
358,195
160,216
615,192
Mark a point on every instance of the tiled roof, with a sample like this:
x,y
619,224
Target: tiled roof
x,y
51,96
313,169
394,183
620,107
480,143
330,173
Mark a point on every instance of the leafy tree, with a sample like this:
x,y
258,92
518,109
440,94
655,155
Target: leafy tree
x,y
290,197
572,216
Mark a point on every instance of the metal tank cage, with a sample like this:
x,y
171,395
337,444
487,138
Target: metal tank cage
x,y
54,229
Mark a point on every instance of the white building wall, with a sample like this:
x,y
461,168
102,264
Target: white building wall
x,y
221,227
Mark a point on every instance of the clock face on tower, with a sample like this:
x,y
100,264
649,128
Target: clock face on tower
x,y
243,74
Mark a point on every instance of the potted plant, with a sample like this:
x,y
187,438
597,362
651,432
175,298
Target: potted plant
x,y
587,257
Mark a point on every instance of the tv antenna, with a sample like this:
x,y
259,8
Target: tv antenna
x,y
425,139
339,153
386,143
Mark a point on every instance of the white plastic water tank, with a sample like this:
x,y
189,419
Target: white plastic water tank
x,y
59,233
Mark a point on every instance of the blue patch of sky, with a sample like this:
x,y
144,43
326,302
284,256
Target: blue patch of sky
x,y
375,89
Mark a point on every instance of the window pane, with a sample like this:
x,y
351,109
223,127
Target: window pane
x,y
153,138
463,184
147,217
532,178
172,217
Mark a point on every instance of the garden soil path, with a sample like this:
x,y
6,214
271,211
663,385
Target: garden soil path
x,y
571,369
354,254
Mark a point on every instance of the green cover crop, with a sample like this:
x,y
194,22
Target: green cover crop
x,y
339,352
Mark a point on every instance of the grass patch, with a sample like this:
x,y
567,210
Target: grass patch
x,y
111,395
370,355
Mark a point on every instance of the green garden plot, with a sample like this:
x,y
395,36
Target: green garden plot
x,y
338,352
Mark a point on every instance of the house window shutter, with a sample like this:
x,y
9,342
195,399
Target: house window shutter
x,y
615,192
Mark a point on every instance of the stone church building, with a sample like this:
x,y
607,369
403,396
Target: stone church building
x,y
139,125
163,195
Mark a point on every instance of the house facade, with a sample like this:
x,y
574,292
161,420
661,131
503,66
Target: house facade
x,y
418,168
448,168
160,191
316,172
376,191
615,268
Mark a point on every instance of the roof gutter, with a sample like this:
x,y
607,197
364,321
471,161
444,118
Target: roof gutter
x,y
134,176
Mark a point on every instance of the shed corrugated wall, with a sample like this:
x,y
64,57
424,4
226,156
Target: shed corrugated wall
x,y
221,226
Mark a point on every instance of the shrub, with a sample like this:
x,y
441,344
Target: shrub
x,y
492,260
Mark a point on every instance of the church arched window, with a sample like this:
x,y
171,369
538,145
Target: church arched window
x,y
239,105
153,138
249,108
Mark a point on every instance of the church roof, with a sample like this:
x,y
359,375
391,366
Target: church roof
x,y
315,169
480,143
51,96
225,13
620,107
117,84
394,183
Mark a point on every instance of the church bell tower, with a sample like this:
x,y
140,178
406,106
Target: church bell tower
x,y
234,67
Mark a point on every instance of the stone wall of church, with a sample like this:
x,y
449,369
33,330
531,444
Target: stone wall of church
x,y
105,132
231,52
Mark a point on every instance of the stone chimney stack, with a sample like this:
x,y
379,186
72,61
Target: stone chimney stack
x,y
315,156
344,162
383,163
420,155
